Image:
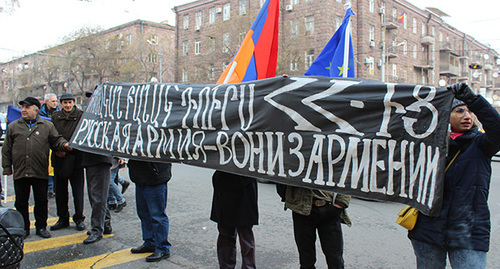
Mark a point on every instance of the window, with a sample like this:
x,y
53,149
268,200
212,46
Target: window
x,y
309,25
414,25
294,65
198,20
338,22
197,45
371,65
226,14
226,43
309,58
153,58
211,15
339,1
184,76
294,27
241,37
371,33
405,21
211,48
185,48
243,7
424,32
153,39
394,15
211,71
405,47
186,22
371,6
294,2
129,39
395,72
414,51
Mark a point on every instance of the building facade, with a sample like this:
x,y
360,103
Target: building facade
x,y
131,52
394,41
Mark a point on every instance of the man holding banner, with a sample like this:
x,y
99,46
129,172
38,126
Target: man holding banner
x,y
462,229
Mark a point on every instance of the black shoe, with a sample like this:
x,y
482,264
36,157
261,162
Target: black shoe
x,y
59,225
80,226
125,186
43,233
120,207
157,256
111,206
107,229
142,249
93,237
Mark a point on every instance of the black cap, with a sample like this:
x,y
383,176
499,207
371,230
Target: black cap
x,y
89,93
31,101
67,96
456,103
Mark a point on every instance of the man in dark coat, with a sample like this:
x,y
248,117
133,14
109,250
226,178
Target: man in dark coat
x,y
26,148
462,229
234,208
151,180
68,166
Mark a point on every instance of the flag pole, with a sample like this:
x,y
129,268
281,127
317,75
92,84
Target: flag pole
x,y
230,73
345,63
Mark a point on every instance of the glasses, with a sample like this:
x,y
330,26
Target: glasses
x,y
462,110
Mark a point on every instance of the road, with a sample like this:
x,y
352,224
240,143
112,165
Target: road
x,y
374,240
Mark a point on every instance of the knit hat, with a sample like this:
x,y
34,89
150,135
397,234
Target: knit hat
x,y
67,96
456,103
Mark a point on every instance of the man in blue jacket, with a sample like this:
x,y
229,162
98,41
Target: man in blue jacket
x,y
462,230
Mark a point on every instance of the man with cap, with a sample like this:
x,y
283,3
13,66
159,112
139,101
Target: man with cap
x,y
25,154
68,166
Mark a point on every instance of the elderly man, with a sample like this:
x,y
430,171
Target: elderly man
x,y
26,148
68,166
46,110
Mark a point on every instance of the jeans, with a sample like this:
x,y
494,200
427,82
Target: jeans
x,y
151,203
433,257
115,196
51,183
326,221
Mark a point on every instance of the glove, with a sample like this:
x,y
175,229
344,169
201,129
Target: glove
x,y
463,92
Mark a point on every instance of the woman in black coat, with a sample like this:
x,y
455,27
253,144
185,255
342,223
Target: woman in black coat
x,y
234,208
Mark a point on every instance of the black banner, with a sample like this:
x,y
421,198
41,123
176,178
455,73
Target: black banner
x,y
358,137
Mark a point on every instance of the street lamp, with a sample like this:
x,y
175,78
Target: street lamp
x,y
387,59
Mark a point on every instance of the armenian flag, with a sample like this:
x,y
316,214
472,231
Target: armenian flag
x,y
401,18
258,54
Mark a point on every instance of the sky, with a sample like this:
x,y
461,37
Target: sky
x,y
35,25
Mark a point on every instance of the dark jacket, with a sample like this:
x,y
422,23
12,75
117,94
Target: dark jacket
x,y
66,125
464,220
27,149
149,173
235,200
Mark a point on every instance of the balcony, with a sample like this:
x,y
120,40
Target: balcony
x,y
392,52
427,40
391,26
444,46
427,65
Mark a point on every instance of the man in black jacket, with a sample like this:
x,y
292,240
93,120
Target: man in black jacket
x,y
67,166
150,180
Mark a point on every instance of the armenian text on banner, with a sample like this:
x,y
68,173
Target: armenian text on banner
x,y
358,137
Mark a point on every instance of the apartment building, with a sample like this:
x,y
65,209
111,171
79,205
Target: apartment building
x,y
394,41
131,52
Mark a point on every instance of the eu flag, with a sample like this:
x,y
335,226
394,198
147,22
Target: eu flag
x,y
258,54
337,58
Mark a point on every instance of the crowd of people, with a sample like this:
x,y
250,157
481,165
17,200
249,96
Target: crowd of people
x,y
460,233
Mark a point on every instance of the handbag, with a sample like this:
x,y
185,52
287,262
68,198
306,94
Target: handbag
x,y
407,217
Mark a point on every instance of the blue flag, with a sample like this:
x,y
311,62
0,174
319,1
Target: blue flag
x,y
337,58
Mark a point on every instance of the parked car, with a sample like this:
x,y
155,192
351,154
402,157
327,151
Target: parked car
x,y
3,126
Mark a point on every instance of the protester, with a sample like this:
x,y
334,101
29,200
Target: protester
x,y
150,180
116,200
235,210
98,169
68,166
26,148
462,229
321,211
47,109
